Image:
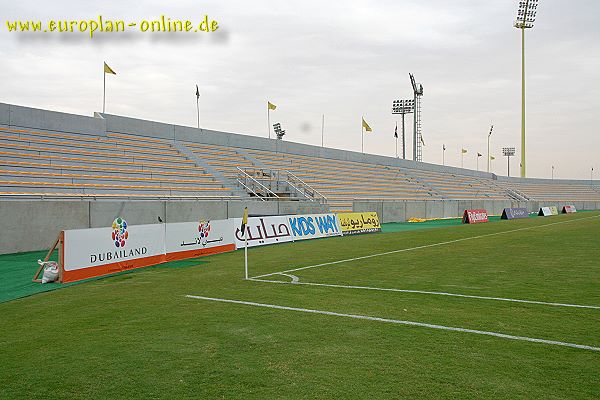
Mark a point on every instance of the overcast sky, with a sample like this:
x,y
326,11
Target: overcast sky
x,y
344,59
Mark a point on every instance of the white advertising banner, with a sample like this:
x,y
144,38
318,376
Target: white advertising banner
x,y
314,226
117,248
193,239
263,230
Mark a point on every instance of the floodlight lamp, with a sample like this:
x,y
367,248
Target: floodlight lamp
x,y
508,151
526,14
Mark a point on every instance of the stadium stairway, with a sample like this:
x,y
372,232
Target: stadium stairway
x,y
341,182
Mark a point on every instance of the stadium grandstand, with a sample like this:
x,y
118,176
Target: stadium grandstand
x,y
46,155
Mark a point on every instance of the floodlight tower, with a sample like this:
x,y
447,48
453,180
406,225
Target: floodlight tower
x,y
525,19
509,152
403,107
417,142
278,131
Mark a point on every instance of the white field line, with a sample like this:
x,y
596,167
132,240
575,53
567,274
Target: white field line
x,y
294,278
544,303
401,322
421,247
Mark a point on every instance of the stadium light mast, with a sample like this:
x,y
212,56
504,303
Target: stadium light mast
x,y
488,155
525,19
417,141
509,152
403,107
278,131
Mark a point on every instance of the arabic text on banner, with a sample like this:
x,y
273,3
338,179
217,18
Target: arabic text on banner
x,y
263,230
364,222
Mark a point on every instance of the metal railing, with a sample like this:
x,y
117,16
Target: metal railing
x,y
516,195
255,187
273,183
304,188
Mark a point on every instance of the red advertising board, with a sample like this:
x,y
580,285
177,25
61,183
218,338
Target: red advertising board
x,y
475,216
569,210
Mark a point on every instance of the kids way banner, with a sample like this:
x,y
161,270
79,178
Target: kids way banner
x,y
281,229
314,226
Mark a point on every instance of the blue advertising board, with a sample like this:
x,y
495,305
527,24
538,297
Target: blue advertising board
x,y
514,213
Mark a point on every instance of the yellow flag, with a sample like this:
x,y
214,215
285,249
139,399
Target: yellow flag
x,y
108,70
492,158
244,221
366,126
464,151
271,106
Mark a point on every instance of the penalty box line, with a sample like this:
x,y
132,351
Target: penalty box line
x,y
467,296
401,322
420,247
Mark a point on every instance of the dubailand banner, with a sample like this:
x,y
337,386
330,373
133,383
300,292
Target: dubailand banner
x,y
101,251
195,239
263,230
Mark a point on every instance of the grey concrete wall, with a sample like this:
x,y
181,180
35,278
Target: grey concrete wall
x,y
34,225
393,209
301,207
4,114
186,211
402,210
34,118
103,213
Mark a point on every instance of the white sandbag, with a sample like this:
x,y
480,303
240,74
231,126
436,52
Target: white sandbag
x,y
50,271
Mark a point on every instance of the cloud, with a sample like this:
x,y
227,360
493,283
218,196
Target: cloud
x,y
342,59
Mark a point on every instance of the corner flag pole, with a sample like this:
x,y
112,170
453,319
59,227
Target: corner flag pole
x,y
246,255
243,230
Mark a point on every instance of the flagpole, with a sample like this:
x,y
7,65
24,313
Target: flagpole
x,y
322,129
403,139
269,120
396,136
198,109
362,138
104,92
444,155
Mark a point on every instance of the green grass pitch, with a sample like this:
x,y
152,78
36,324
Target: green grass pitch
x,y
137,335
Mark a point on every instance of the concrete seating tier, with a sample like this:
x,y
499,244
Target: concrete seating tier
x,y
556,191
222,158
40,163
119,165
343,181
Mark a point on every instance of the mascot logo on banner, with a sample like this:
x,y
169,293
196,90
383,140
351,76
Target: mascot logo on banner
x,y
204,229
119,233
